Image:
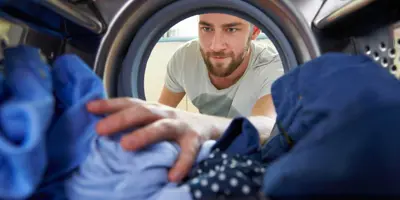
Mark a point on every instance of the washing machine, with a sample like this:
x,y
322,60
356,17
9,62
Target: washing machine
x,y
115,37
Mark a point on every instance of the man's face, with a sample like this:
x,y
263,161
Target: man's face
x,y
224,42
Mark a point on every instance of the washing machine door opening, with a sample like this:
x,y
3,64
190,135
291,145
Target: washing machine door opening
x,y
136,29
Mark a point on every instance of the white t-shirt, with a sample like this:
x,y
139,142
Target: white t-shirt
x,y
187,72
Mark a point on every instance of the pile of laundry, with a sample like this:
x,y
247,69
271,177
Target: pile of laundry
x,y
337,133
45,130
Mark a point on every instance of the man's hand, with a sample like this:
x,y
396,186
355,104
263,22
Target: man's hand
x,y
157,123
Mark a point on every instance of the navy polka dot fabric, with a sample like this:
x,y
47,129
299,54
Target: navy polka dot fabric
x,y
226,175
233,168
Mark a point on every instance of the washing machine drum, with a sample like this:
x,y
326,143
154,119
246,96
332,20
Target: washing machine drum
x,y
137,27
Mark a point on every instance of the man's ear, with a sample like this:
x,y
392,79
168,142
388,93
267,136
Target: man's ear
x,y
256,31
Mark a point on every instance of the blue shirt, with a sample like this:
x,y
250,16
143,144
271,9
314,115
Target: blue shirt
x,y
25,113
72,128
45,129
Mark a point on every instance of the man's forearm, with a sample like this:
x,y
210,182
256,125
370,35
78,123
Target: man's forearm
x,y
263,125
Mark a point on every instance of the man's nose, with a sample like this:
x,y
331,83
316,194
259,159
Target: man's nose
x,y
218,42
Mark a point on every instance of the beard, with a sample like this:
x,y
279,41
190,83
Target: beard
x,y
219,69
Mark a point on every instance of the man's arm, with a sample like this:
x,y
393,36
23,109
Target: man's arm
x,y
264,107
170,98
262,117
263,124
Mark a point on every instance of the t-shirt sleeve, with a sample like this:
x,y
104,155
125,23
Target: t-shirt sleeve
x,y
273,71
173,77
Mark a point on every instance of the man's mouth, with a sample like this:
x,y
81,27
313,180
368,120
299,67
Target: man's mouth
x,y
218,57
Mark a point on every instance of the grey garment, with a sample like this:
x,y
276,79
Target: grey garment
x,y
215,105
186,72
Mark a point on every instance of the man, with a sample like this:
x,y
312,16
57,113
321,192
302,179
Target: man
x,y
236,69
224,73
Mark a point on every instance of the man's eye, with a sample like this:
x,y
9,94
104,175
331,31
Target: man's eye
x,y
232,30
207,29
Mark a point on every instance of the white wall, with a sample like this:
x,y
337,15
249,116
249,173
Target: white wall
x,y
187,27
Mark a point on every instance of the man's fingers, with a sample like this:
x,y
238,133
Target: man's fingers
x,y
172,130
106,106
131,117
189,149
166,129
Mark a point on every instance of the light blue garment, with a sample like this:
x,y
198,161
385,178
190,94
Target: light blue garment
x,y
45,130
25,113
72,129
109,172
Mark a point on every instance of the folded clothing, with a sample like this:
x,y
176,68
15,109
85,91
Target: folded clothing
x,y
338,130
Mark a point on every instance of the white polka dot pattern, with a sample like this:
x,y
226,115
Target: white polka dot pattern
x,y
227,175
